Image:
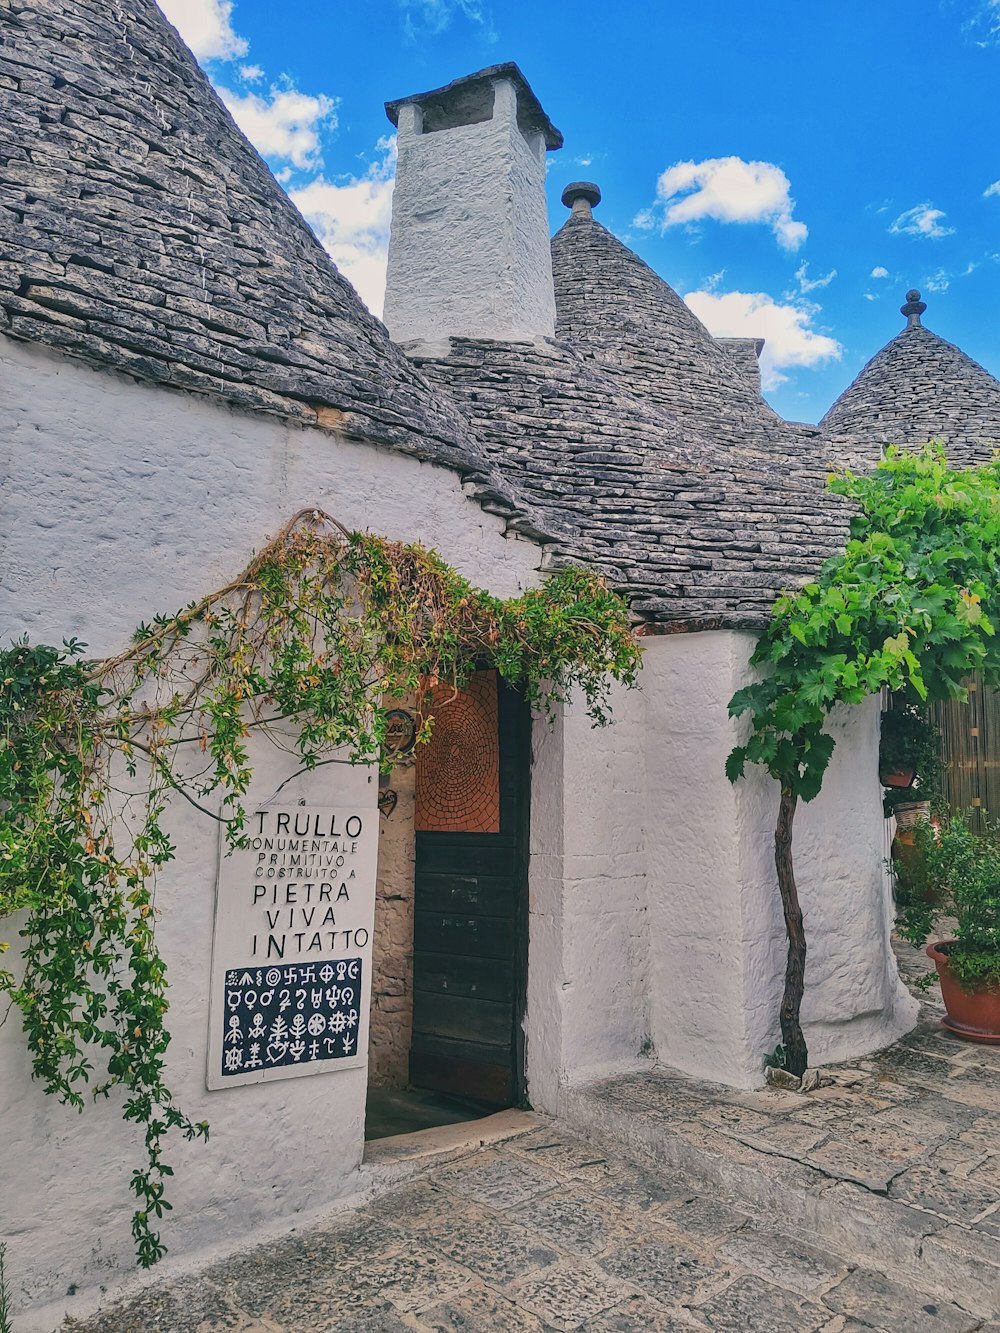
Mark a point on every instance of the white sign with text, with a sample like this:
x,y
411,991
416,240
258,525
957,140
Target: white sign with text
x,y
292,954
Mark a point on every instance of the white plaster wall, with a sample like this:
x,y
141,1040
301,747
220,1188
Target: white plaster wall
x,y
717,943
469,252
120,500
587,964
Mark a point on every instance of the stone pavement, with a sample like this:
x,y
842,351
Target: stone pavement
x,y
870,1204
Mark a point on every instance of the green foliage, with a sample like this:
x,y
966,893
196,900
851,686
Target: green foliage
x,y
910,739
911,604
325,629
955,873
776,1058
5,1314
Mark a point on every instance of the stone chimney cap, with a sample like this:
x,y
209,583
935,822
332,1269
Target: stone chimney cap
x,y
585,190
469,100
913,309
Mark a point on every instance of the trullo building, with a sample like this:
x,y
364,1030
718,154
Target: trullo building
x,y
183,369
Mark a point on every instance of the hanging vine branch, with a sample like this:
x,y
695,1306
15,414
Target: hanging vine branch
x,y
911,604
324,629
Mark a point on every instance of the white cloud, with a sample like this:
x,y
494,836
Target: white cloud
x,y
285,125
807,284
251,73
788,339
937,282
923,220
991,190
422,17
983,24
351,218
206,26
726,189
879,271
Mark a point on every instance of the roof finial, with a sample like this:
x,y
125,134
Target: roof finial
x,y
581,197
913,309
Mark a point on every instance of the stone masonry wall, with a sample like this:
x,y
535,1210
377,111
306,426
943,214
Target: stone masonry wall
x,y
392,978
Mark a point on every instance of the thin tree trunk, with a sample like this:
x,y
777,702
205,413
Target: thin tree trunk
x,y
796,1053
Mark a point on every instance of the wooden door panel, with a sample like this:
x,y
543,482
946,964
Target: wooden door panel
x,y
458,853
470,938
449,1071
459,933
462,1018
479,978
467,894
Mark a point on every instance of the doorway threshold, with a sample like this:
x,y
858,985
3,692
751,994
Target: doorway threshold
x,y
400,1155
394,1111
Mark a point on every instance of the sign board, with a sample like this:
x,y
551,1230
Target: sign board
x,y
292,954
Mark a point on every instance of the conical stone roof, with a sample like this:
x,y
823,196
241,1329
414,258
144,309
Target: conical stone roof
x,y
612,306
141,231
918,388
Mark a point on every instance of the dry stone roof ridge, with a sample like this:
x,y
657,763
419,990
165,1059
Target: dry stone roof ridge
x,y
692,532
139,230
918,387
612,307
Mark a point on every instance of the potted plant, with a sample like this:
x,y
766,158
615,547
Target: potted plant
x,y
959,874
909,762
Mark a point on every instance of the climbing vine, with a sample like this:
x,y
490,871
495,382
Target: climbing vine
x,y
911,604
324,629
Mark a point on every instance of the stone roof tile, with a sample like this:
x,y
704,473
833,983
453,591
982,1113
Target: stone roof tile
x,y
691,531
917,388
613,308
140,231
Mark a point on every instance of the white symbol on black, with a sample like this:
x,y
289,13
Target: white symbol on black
x,y
288,1023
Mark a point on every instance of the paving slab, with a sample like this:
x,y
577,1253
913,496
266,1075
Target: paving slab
x,y
894,1149
668,1204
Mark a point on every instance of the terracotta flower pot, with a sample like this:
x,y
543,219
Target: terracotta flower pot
x,y
901,778
974,1015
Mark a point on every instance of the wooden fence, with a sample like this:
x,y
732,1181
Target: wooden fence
x,y
970,750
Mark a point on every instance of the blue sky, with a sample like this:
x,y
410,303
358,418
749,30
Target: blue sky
x,y
791,167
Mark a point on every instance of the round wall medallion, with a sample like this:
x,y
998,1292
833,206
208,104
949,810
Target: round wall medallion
x,y
400,731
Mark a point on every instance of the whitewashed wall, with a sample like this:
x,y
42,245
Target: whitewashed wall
x,y
653,909
120,500
717,942
587,962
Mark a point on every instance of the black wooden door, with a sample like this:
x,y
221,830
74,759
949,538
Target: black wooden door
x,y
470,939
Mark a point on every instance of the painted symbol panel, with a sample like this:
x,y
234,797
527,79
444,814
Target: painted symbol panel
x,y
291,1015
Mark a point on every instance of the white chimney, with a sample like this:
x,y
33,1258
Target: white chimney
x,y
469,248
